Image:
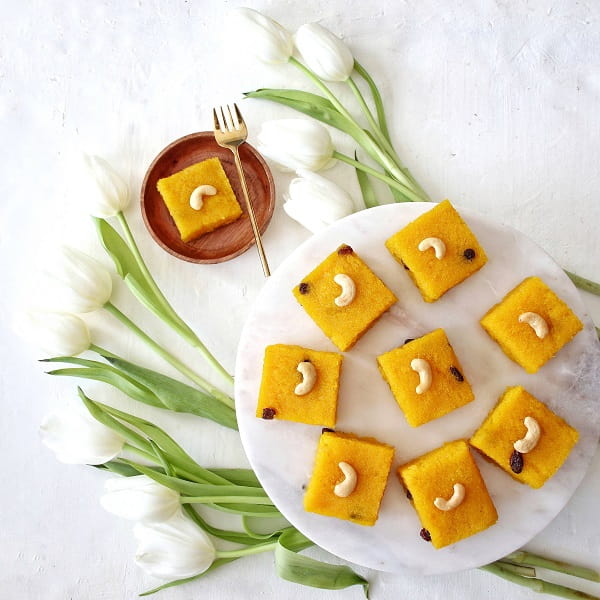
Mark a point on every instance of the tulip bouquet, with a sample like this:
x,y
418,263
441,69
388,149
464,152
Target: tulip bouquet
x,y
303,146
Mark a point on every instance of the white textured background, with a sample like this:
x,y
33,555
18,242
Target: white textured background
x,y
492,104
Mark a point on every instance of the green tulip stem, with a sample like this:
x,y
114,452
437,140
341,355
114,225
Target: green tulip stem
x,y
384,127
369,116
521,557
584,284
378,154
257,549
102,352
409,194
172,360
181,326
227,500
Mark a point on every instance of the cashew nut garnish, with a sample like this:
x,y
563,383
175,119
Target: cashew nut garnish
x,y
538,324
196,201
421,366
346,487
348,289
435,243
457,497
529,442
309,378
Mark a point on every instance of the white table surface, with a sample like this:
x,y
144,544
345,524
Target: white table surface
x,y
492,104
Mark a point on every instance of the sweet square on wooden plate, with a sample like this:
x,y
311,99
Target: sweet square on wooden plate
x,y
349,477
217,210
406,369
299,384
551,439
448,493
438,250
531,324
343,297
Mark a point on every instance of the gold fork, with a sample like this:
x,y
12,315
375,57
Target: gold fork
x,y
231,135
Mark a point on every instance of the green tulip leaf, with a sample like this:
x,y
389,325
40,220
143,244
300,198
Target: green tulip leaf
x,y
97,411
245,477
377,100
366,189
177,396
307,571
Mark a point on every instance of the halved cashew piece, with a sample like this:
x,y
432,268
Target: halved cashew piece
x,y
529,442
346,487
309,378
457,497
435,243
196,201
537,322
421,366
348,289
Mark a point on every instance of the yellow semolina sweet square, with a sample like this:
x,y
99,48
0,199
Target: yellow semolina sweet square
x,y
449,387
218,210
463,255
317,293
434,475
371,461
277,398
519,340
505,425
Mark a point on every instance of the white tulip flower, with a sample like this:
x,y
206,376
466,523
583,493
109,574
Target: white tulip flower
x,y
108,194
140,498
297,144
316,202
77,438
262,36
173,549
78,283
324,52
55,334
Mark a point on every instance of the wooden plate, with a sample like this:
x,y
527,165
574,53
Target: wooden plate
x,y
225,242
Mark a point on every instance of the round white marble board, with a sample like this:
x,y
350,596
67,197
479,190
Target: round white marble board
x,y
282,452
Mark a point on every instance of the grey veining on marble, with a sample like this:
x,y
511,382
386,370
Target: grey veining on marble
x,y
282,453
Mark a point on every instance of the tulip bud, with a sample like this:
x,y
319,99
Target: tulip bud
x,y
140,498
324,53
316,202
77,438
78,283
174,549
109,194
297,144
262,36
56,334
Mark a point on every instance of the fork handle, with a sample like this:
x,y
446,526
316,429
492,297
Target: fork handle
x,y
256,231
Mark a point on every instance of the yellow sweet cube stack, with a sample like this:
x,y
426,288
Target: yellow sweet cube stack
x,y
462,255
506,324
283,372
318,291
435,475
220,209
370,462
505,425
449,387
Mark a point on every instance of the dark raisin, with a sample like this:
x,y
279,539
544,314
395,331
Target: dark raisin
x,y
516,461
342,250
327,430
303,486
424,533
457,374
268,413
303,288
409,495
306,360
408,340
354,516
404,265
469,254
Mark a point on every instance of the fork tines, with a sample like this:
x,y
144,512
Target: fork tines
x,y
224,119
